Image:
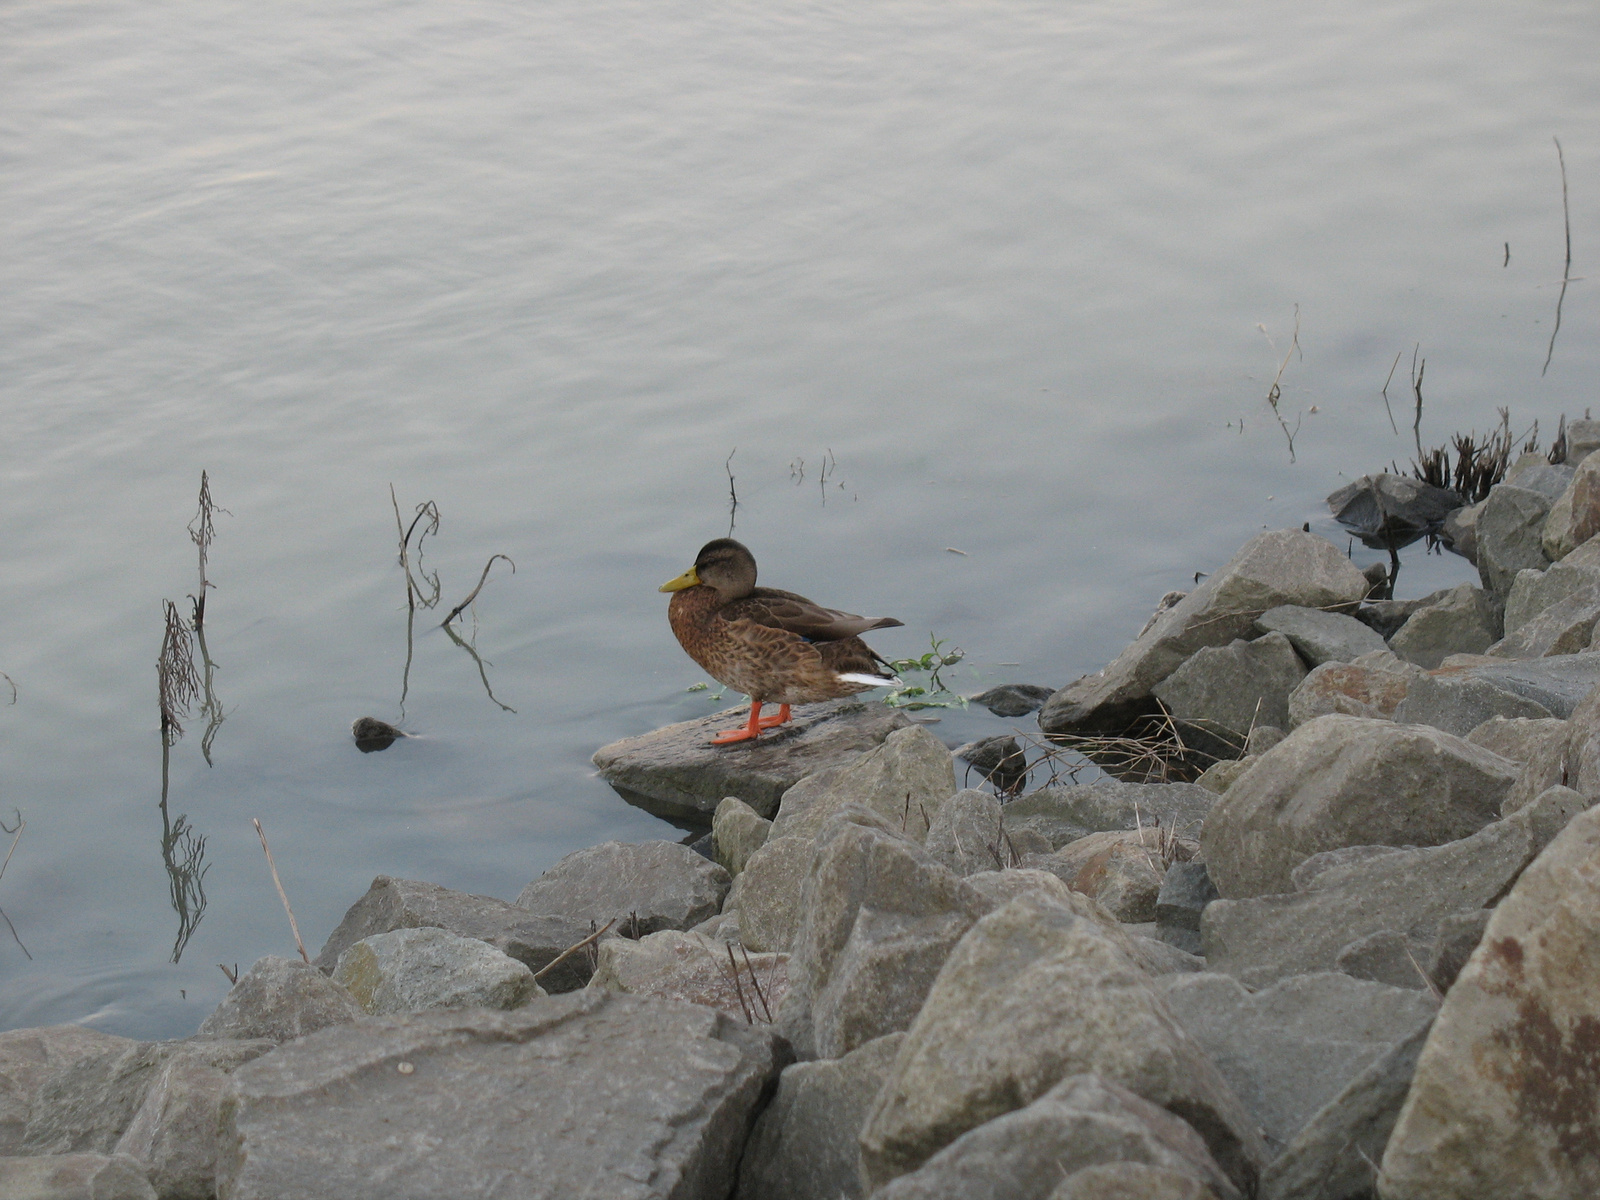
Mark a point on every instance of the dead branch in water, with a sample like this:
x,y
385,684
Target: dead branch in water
x,y
294,926
1275,393
201,531
473,594
733,496
1566,271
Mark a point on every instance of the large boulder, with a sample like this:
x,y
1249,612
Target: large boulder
x,y
905,781
1409,892
878,919
737,832
30,1056
647,885
803,1147
409,970
1564,627
1465,691
1509,536
673,965
1506,1099
1289,1049
1082,1122
1534,591
1348,781
968,834
536,939
280,999
588,1094
1319,636
1460,620
1272,569
1334,1155
1519,739
1033,994
1065,814
1575,517
1372,686
1221,692
74,1177
88,1105
675,772
766,895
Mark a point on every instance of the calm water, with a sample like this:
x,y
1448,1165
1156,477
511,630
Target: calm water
x,y
1015,277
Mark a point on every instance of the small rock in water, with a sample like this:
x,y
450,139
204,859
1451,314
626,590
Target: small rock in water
x,y
372,734
1013,699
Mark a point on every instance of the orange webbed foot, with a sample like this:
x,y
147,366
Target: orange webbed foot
x,y
751,730
770,722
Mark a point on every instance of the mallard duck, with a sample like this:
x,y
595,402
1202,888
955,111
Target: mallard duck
x,y
776,647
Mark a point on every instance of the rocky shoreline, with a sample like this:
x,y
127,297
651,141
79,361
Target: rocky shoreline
x,y
1358,955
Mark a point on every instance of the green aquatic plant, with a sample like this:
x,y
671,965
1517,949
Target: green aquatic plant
x,y
936,693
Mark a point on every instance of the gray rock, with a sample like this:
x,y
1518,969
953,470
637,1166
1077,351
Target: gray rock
x,y
74,1177
966,834
1458,936
1186,889
1460,532
1272,569
88,1105
737,832
1263,738
1373,686
1386,956
1460,620
1002,887
1221,775
280,999
1536,473
1519,739
536,939
878,918
1083,1121
1130,1181
173,1135
998,760
30,1056
1509,536
1064,814
1391,509
1014,699
674,772
409,970
1565,627
1034,994
1532,592
1583,438
694,968
1332,1156
1319,636
1575,517
1347,781
628,1097
1506,1092
804,1145
1555,684
904,781
1121,870
1458,700
1290,1049
1262,940
651,885
1302,878
766,895
1221,691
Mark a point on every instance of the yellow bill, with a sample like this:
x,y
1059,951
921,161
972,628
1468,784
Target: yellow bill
x,y
687,580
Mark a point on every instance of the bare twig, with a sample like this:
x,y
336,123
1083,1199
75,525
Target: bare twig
x,y
14,936
733,496
754,982
1275,393
737,987
201,531
473,594
1433,988
427,517
278,883
1566,271
1416,390
1386,383
21,825
571,950
231,976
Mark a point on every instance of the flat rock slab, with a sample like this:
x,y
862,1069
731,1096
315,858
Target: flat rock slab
x,y
30,1056
651,885
74,1177
1556,684
1321,636
280,999
591,1096
536,939
675,772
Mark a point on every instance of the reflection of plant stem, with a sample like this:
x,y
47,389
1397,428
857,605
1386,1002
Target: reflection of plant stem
x,y
482,674
183,854
1566,272
733,496
405,675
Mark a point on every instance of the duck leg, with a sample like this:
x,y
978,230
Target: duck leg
x,y
783,715
751,730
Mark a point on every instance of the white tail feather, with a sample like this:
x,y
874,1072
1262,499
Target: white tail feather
x,y
869,680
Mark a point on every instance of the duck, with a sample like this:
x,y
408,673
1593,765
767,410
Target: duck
x,y
774,646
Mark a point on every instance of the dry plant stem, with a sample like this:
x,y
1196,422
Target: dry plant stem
x,y
1416,390
1433,988
231,976
294,926
427,517
210,706
571,950
737,988
754,982
733,496
1566,271
1386,383
473,594
1275,393
201,531
21,825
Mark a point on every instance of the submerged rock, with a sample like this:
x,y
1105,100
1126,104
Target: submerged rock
x,y
675,772
1014,699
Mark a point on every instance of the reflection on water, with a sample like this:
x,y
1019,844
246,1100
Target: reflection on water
x,y
178,685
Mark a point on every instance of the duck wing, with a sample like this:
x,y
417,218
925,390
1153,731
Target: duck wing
x,y
795,614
